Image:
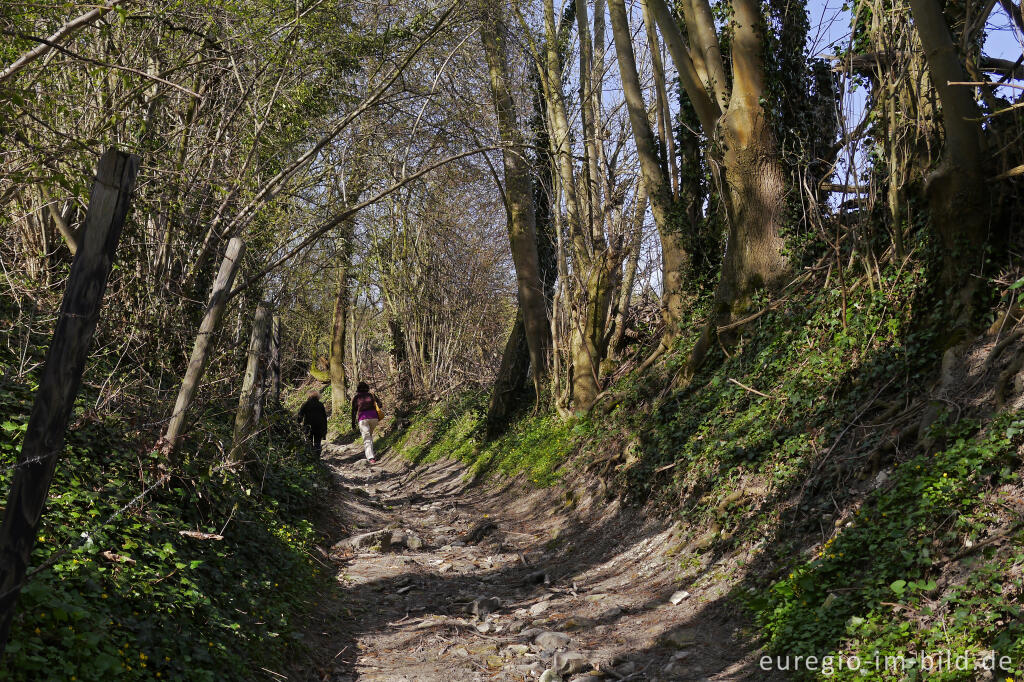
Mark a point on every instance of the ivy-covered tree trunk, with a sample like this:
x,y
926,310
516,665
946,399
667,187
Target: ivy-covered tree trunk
x,y
958,197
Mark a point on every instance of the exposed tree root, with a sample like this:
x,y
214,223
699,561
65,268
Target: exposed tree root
x,y
1006,376
1001,346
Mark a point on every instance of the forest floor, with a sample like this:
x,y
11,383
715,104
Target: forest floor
x,y
504,581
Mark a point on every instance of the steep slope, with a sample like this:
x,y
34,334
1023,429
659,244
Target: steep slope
x,y
139,575
855,495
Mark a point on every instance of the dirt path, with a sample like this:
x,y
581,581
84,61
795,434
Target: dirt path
x,y
504,583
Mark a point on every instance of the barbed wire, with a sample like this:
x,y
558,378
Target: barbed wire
x,y
87,536
90,536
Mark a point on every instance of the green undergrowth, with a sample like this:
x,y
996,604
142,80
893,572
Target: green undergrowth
x,y
758,422
909,576
787,450
117,591
775,445
536,446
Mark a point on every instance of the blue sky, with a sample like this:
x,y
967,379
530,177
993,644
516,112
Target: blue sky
x,y
830,26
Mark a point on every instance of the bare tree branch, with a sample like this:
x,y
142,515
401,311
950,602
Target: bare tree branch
x,y
344,215
64,32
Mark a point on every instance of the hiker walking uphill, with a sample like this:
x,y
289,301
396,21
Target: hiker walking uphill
x,y
313,417
366,410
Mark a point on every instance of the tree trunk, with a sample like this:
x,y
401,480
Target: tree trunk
x,y
398,355
958,198
518,190
755,201
589,344
708,109
675,260
244,417
597,265
706,51
589,113
511,381
754,177
339,388
275,361
626,290
663,111
353,346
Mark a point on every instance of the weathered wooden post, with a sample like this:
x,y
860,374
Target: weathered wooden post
x,y
259,397
244,417
62,373
204,343
275,361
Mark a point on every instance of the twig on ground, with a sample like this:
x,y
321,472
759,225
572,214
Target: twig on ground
x,y
752,390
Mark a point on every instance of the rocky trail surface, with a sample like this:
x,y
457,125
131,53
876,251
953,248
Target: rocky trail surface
x,y
440,579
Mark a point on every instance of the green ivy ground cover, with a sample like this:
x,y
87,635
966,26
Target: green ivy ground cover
x,y
121,593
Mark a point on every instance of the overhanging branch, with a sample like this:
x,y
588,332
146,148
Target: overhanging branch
x,y
344,215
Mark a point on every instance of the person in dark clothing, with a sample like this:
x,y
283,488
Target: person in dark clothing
x,y
366,409
313,417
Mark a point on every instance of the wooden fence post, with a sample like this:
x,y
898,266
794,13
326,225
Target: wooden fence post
x,y
275,361
204,343
244,417
62,374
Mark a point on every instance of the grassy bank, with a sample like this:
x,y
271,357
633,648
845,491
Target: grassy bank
x,y
536,446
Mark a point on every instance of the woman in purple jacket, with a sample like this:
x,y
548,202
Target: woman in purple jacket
x,y
366,411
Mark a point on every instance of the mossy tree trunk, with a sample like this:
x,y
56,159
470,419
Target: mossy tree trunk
x,y
518,191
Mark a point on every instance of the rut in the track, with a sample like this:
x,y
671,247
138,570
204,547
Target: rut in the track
x,y
526,563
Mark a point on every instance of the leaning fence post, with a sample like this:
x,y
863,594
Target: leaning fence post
x,y
62,374
244,417
204,343
275,361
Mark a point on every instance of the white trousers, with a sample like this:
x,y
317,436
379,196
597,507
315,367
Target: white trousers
x,y
366,427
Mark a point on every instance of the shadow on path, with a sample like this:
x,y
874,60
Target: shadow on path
x,y
597,572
